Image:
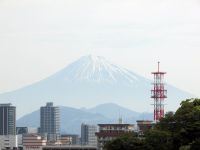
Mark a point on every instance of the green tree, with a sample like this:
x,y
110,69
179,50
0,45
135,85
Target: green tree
x,y
195,145
125,142
184,124
177,131
158,140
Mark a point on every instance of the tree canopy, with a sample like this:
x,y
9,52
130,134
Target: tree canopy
x,y
179,130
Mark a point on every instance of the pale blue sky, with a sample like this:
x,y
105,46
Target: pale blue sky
x,y
40,37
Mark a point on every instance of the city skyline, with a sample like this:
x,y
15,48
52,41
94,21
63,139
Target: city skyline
x,y
99,74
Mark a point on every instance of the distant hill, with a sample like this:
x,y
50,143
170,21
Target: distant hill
x,y
90,81
111,110
71,118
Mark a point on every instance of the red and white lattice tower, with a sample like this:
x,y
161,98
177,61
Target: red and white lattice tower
x,y
158,94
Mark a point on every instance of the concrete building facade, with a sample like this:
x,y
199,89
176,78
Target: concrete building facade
x,y
50,122
75,139
88,134
8,138
111,131
8,142
31,140
20,131
144,125
66,140
7,119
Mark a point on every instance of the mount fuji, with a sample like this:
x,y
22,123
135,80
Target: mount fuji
x,y
90,81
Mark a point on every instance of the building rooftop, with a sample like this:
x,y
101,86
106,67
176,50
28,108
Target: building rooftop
x,y
49,104
144,121
116,124
113,133
7,104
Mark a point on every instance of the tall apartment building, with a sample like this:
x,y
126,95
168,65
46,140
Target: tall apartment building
x,y
8,138
88,134
49,122
7,119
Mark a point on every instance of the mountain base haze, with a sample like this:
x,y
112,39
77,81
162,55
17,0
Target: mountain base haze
x,y
72,118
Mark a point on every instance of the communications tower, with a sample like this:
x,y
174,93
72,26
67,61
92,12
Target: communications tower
x,y
159,93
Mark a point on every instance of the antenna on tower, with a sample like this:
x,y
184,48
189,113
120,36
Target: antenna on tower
x,y
120,118
159,93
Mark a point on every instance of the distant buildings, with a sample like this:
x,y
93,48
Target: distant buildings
x,y
111,131
66,140
27,130
88,134
8,138
20,131
142,126
47,137
77,147
30,140
75,138
49,122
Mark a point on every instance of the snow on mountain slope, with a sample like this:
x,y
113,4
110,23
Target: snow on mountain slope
x,y
97,69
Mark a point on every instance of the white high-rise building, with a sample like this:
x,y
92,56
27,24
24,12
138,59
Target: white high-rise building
x,y
88,134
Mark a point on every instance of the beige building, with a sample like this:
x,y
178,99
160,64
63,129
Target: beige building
x,y
33,140
66,140
81,147
110,131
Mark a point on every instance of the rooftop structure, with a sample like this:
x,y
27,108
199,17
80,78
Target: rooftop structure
x,y
69,148
110,131
144,125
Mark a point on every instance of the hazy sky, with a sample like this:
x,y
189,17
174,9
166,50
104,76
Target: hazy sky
x,y
40,37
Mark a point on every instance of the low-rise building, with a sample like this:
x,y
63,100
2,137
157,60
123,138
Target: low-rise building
x,y
20,131
75,139
33,140
8,142
111,131
142,126
80,147
66,140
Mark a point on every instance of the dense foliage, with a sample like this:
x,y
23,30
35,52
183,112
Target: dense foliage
x,y
177,131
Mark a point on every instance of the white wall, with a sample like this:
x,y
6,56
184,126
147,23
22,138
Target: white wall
x,y
8,141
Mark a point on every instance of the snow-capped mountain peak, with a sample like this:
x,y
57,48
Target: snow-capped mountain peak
x,y
98,69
